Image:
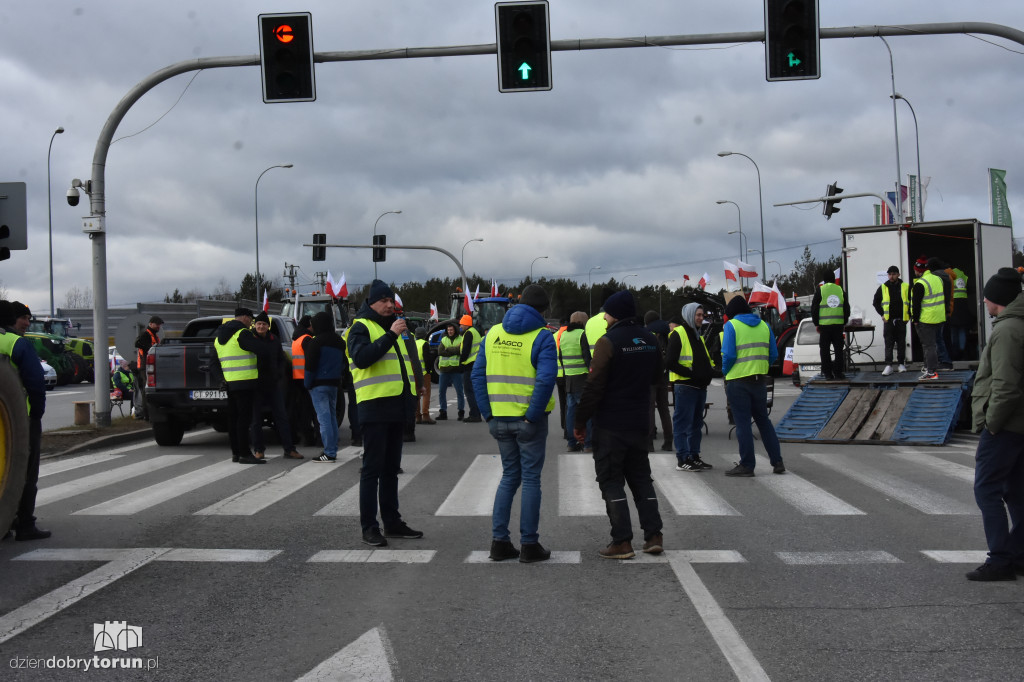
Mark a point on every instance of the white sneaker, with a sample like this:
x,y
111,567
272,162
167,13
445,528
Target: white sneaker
x,y
901,369
887,371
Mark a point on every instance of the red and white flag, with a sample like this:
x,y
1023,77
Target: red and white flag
x,y
761,294
839,279
746,269
433,312
780,299
731,271
704,281
787,362
341,288
494,289
266,302
329,284
398,301
467,302
686,280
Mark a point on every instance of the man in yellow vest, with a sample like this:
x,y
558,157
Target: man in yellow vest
x,y
514,380
470,347
830,310
426,362
21,354
384,377
449,372
236,350
748,350
573,358
892,302
961,319
928,311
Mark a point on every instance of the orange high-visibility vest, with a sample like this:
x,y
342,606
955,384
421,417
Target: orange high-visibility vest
x,y
299,357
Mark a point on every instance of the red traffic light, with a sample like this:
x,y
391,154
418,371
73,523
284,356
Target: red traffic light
x,y
284,33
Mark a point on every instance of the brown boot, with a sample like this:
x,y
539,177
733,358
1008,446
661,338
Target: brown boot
x,y
618,550
654,545
293,454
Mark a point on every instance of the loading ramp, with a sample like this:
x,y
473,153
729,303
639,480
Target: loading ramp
x,y
874,409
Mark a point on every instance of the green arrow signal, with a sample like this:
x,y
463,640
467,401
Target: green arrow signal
x,y
525,69
793,61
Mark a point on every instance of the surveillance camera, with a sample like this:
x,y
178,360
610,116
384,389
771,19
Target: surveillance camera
x,y
73,196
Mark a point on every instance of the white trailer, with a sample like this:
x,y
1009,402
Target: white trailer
x,y
976,248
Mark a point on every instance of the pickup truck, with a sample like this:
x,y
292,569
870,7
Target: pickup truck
x,y
184,383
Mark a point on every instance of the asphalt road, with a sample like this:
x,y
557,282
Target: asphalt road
x,y
850,566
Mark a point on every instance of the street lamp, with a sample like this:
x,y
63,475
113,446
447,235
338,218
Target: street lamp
x,y
627,277
739,220
590,288
531,267
375,234
257,212
660,286
49,216
462,261
896,135
917,142
760,201
780,267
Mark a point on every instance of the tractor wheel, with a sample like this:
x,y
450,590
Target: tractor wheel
x,y
13,444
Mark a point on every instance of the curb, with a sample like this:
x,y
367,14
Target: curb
x,y
104,441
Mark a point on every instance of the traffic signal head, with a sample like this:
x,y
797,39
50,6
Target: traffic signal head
x,y
379,252
286,57
830,204
524,46
791,39
13,218
319,251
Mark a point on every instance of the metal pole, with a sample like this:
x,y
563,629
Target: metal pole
x,y
917,144
463,259
49,212
257,212
590,289
531,267
375,234
760,202
896,131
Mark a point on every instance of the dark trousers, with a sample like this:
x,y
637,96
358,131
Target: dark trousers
x,y
830,338
620,459
562,403
467,388
353,411
27,507
300,414
894,334
926,334
382,456
659,404
239,419
998,490
270,398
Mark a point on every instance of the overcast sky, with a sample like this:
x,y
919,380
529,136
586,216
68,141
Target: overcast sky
x,y
615,167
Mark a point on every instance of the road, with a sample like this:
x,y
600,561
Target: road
x,y
850,566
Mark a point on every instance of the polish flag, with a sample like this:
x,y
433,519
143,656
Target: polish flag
x,y
398,301
467,302
780,299
494,289
686,280
787,362
746,269
433,312
329,284
704,281
340,287
839,279
761,294
266,302
731,271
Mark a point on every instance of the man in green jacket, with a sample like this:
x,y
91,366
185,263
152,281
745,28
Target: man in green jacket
x,y
998,413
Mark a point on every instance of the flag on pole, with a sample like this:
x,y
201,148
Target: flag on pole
x,y
266,302
746,269
433,312
780,299
494,289
760,294
731,271
329,284
686,280
467,303
341,288
398,301
839,277
295,308
704,281
997,197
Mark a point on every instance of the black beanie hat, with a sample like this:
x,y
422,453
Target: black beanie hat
x,y
262,317
1003,287
737,306
535,297
322,322
379,290
20,309
621,305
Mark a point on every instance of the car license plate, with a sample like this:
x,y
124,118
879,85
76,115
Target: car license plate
x,y
809,370
208,395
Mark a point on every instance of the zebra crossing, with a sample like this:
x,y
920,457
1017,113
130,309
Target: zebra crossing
x,y
926,480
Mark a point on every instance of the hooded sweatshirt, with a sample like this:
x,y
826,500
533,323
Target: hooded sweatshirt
x,y
521,319
699,374
997,402
729,342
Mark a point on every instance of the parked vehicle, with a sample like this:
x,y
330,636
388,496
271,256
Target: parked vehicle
x,y
83,369
49,375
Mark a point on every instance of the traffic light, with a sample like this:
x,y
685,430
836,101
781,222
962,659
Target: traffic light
x,y
524,46
319,250
830,204
379,252
286,57
13,218
791,40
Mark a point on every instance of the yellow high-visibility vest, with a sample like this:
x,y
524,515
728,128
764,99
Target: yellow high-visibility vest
x,y
751,350
236,364
904,295
474,348
686,352
933,307
382,379
570,353
511,375
830,310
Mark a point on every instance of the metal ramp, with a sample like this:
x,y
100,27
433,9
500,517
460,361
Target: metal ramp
x,y
871,408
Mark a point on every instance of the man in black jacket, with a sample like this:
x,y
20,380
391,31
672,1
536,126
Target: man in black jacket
x,y
625,365
237,351
268,392
892,302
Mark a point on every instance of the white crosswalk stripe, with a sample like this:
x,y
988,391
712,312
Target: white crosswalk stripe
x,y
944,467
578,493
265,493
71,463
688,492
473,495
89,483
347,504
162,492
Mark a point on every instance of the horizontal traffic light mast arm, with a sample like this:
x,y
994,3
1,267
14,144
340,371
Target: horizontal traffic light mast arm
x,y
465,282
840,197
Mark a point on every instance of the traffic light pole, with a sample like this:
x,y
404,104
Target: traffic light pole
x,y
840,197
96,186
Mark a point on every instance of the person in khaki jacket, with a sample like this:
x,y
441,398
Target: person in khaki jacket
x,y
997,404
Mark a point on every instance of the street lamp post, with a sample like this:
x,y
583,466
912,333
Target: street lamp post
x,y
627,277
463,259
257,212
896,135
780,267
739,221
590,289
531,267
917,144
375,234
49,211
660,286
760,201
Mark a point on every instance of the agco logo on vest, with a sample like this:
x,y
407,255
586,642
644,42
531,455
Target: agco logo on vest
x,y
508,344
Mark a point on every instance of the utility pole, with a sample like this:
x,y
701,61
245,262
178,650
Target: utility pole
x,y
321,277
289,273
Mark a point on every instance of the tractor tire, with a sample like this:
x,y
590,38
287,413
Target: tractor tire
x,y
13,444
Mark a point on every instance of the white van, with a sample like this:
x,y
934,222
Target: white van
x,y
806,356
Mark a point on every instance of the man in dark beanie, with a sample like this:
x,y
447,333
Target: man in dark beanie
x,y
626,365
325,364
236,351
22,356
514,381
267,395
748,350
997,403
385,384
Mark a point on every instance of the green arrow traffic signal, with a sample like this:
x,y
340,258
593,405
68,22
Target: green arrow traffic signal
x,y
793,61
525,69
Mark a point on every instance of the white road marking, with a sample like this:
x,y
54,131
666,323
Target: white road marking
x,y
956,557
578,492
957,471
908,493
836,558
480,557
687,491
373,556
89,483
473,495
256,556
62,465
258,497
347,504
802,494
161,492
368,659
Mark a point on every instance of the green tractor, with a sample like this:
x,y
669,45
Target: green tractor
x,y
80,350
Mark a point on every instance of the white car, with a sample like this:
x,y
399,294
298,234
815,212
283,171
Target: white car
x,y
806,357
114,358
49,375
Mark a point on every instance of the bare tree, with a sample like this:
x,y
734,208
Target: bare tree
x,y
78,298
223,291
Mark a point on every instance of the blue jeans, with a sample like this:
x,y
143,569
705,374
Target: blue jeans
x,y
572,401
325,403
522,458
688,420
749,401
940,345
998,489
443,382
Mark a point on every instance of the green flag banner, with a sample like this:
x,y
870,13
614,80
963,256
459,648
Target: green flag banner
x,y
997,197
